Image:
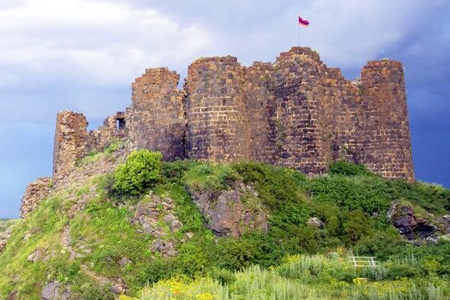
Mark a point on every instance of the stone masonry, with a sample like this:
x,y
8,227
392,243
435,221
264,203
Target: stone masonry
x,y
71,142
295,112
155,120
218,127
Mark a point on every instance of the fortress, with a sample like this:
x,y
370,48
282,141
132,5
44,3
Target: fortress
x,y
295,112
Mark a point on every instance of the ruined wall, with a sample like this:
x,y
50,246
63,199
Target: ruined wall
x,y
218,126
70,142
34,193
155,119
384,127
113,129
295,112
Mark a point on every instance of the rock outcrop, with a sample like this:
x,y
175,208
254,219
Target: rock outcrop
x,y
413,225
156,216
34,193
231,212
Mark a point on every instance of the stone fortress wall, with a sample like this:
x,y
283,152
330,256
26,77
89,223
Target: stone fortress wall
x,y
295,112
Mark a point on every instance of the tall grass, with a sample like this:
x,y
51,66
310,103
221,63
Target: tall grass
x,y
300,277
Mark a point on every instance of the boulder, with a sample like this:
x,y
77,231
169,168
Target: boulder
x,y
166,248
12,296
229,212
316,223
35,256
51,291
124,261
410,224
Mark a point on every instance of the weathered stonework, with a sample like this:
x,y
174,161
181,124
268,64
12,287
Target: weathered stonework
x,y
155,119
34,193
386,146
70,142
218,127
295,112
113,128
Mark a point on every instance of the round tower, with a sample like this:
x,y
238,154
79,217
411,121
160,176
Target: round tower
x,y
385,138
215,110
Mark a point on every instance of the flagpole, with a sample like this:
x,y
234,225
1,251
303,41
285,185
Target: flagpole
x,y
301,22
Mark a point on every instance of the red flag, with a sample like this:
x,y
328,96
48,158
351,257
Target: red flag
x,y
303,22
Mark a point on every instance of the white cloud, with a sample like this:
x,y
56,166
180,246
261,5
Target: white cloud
x,y
94,43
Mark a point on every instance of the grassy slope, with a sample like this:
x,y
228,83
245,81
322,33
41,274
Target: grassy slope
x,y
351,202
6,223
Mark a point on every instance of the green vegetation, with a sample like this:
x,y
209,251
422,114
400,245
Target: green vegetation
x,y
96,155
292,260
138,174
302,277
6,223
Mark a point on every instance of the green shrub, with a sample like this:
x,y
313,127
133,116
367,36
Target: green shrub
x,y
173,171
223,276
402,271
237,254
356,226
383,245
141,170
345,168
192,260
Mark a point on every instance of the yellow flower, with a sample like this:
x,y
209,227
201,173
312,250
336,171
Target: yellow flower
x,y
204,296
359,280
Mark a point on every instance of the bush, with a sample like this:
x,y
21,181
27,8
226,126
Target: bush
x,y
348,169
141,170
356,226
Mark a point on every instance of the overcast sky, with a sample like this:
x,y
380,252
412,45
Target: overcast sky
x,y
83,55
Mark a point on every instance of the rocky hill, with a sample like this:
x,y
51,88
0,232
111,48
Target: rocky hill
x,y
242,185
117,226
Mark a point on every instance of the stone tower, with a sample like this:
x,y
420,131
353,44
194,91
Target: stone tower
x,y
155,119
215,110
70,142
384,127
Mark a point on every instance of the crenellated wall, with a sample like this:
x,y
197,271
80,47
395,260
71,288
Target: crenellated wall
x,y
295,112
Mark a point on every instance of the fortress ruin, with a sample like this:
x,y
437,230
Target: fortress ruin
x,y
295,112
